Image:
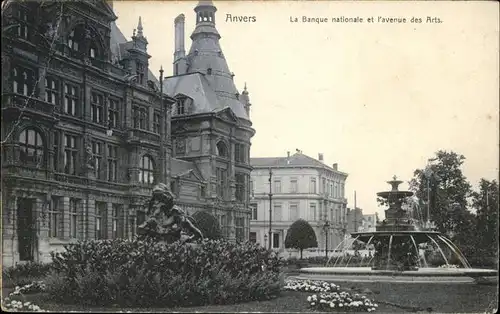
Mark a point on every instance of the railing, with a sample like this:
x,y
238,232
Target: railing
x,y
32,103
72,179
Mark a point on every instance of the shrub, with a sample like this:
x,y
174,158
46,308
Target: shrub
x,y
300,236
23,274
208,225
144,273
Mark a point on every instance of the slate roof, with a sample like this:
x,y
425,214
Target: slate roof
x,y
295,160
209,91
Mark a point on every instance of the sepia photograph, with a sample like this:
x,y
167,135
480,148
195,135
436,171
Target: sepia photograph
x,y
250,156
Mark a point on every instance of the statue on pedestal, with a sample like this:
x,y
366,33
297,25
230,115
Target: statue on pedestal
x,y
166,221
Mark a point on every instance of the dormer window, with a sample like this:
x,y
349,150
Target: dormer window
x,y
139,69
183,105
209,71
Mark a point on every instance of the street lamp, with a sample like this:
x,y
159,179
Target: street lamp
x,y
265,239
270,204
428,174
326,229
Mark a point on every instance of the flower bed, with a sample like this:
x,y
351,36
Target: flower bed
x,y
329,297
143,273
16,301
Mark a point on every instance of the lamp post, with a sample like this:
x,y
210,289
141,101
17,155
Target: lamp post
x,y
162,130
265,239
326,228
270,204
428,175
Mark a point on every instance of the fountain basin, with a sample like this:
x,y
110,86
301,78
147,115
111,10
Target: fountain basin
x,y
422,275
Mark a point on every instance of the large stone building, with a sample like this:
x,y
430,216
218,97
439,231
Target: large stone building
x,y
302,187
87,131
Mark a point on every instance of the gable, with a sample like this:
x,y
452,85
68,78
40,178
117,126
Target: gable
x,y
227,115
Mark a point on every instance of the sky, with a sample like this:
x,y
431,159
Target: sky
x,y
379,99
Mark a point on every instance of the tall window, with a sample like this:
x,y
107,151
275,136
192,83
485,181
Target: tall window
x,y
140,71
294,186
240,187
57,143
324,186
100,220
239,153
54,217
73,218
140,115
24,81
112,163
277,186
312,211
113,113
74,39
221,175
70,154
146,172
294,212
277,213
97,154
51,90
222,150
276,240
342,190
240,227
117,221
24,19
31,147
156,122
70,99
312,186
97,108
254,212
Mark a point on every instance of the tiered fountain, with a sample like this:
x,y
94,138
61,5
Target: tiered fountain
x,y
402,253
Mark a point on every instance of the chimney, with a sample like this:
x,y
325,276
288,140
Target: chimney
x,y
335,166
180,52
288,154
320,157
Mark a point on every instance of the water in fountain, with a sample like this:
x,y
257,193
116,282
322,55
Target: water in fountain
x,y
397,243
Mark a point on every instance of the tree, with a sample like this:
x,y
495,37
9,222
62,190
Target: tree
x,y
208,225
443,187
485,202
300,236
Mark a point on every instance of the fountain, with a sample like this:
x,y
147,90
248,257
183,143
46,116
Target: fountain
x,y
403,253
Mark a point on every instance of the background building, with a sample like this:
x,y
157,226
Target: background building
x,y
302,187
354,219
86,132
369,222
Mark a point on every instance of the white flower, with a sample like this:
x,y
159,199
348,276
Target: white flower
x,y
309,299
375,305
373,309
341,305
36,308
312,303
27,303
369,310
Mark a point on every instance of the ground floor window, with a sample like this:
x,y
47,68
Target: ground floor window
x,y
73,218
253,237
276,240
55,214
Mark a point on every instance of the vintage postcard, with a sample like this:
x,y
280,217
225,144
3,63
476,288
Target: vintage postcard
x,y
250,156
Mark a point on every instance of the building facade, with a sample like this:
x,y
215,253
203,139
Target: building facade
x,y
302,188
354,219
369,223
211,127
87,131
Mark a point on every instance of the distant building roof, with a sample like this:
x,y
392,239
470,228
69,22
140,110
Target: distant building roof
x,y
296,160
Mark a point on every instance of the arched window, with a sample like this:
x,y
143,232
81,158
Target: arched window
x,y
146,172
222,149
31,147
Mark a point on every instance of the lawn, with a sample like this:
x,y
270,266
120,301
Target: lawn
x,y
442,298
